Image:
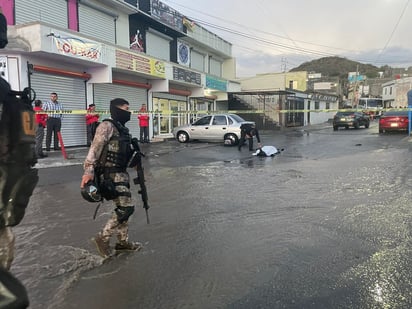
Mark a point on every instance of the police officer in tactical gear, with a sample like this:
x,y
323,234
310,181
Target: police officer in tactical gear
x,y
248,131
17,177
106,164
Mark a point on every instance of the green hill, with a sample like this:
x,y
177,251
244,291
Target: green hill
x,y
340,67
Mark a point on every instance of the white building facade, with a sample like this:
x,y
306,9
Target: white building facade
x,y
394,93
93,51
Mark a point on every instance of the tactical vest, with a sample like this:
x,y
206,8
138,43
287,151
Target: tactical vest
x,y
17,155
118,152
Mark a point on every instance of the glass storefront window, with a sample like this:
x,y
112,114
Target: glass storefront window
x,y
168,115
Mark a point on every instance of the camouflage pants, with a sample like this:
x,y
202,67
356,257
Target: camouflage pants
x,y
6,247
113,226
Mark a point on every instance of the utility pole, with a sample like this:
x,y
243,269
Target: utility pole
x,y
283,65
355,88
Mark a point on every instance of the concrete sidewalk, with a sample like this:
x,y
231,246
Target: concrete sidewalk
x,y
77,155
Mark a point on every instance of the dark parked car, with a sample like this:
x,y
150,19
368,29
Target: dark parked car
x,y
350,119
394,121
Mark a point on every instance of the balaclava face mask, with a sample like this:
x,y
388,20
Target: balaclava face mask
x,y
117,113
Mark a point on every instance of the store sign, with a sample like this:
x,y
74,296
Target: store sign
x,y
186,76
166,15
138,63
216,83
183,53
78,48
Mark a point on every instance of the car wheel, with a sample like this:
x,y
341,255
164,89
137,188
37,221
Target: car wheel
x,y
232,138
367,125
335,128
182,137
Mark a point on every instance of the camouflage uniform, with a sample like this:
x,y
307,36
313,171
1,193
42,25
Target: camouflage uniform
x,y
6,247
18,178
17,175
102,143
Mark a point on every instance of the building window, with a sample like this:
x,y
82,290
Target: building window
x,y
316,104
327,105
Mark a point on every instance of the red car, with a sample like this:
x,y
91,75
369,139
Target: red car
x,y
394,121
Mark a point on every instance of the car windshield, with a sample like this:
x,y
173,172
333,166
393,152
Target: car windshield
x,y
237,118
396,113
343,114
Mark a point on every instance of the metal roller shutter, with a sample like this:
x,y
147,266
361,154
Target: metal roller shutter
x,y
215,67
104,93
197,61
96,24
72,95
50,11
157,46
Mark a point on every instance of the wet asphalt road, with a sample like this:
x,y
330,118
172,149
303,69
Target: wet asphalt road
x,y
326,224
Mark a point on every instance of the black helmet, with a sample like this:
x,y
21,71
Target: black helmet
x,y
91,192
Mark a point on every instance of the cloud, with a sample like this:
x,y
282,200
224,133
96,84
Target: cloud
x,y
250,64
395,56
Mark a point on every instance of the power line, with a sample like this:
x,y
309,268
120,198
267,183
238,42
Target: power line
x,y
272,44
394,29
243,26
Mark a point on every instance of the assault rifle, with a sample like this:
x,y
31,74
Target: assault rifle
x,y
136,162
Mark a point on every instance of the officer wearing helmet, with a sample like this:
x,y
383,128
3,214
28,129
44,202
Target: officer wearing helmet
x,y
105,176
18,178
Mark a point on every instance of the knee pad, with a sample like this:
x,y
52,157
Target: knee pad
x,y
123,213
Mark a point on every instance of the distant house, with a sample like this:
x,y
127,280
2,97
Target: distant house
x,y
284,99
394,93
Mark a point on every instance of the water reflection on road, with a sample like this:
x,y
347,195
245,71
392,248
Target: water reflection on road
x,y
326,224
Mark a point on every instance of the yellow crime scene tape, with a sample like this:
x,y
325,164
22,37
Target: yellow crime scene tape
x,y
171,112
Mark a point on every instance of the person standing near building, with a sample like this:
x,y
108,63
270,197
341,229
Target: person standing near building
x,y
110,152
248,131
54,121
144,124
92,121
41,121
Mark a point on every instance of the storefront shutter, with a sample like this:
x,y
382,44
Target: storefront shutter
x,y
197,61
50,11
104,93
157,46
215,67
71,93
96,24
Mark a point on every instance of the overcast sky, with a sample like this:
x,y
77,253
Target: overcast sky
x,y
276,35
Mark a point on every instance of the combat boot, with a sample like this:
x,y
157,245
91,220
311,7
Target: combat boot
x,y
103,246
128,246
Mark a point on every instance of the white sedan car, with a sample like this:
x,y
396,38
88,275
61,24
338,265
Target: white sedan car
x,y
218,127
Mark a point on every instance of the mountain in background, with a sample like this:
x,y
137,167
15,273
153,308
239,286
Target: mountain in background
x,y
340,67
